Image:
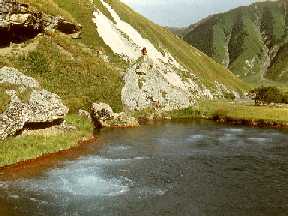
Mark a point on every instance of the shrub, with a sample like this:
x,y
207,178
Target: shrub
x,y
229,96
268,95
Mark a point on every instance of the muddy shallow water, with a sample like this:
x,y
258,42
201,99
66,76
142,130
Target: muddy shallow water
x,y
174,168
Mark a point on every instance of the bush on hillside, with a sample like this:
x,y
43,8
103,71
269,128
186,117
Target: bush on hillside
x,y
229,96
268,95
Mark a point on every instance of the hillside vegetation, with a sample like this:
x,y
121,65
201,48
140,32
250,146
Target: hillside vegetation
x,y
251,41
86,70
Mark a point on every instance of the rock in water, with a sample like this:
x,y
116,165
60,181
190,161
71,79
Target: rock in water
x,y
41,107
103,116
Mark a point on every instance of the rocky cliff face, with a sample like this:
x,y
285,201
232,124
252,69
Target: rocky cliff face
x,y
41,108
18,23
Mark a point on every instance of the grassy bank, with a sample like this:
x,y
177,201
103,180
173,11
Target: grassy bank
x,y
27,147
238,113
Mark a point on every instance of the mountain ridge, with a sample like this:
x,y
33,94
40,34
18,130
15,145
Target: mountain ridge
x,y
250,40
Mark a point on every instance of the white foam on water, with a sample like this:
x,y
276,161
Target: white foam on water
x,y
119,148
141,158
164,141
234,130
14,196
151,192
260,139
196,137
100,161
85,177
228,137
82,178
3,185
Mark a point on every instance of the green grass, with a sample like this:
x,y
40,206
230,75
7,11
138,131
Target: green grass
x,y
237,111
22,148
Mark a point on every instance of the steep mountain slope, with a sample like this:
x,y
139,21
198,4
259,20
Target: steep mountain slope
x,y
95,67
251,41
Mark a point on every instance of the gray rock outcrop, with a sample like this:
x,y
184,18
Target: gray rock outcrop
x,y
150,83
103,116
42,107
162,86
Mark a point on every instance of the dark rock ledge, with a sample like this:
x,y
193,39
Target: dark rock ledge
x,y
19,23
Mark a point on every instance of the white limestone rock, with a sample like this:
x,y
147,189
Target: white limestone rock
x,y
103,116
41,107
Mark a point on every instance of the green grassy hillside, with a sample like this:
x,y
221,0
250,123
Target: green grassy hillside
x,y
76,69
251,41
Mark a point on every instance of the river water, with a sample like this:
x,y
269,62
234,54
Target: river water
x,y
174,168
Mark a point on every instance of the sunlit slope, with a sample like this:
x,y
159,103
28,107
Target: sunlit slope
x,y
86,70
251,41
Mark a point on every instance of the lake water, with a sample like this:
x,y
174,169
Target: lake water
x,y
174,168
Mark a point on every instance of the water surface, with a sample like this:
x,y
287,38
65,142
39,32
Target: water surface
x,y
174,168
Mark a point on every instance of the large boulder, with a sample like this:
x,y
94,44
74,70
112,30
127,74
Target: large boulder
x,y
45,107
41,107
103,116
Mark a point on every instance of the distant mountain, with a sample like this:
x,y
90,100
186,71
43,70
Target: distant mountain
x,y
251,41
